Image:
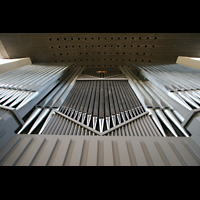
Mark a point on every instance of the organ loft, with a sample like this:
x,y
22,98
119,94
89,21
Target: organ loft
x,y
99,99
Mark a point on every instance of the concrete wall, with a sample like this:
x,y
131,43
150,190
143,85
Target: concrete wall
x,y
10,64
189,62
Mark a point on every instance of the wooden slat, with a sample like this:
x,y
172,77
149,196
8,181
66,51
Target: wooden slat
x,y
171,157
123,153
108,153
45,152
156,157
184,152
31,152
92,153
77,151
140,158
13,158
8,148
62,151
99,150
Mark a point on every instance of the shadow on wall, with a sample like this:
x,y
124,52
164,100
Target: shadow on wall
x,y
41,57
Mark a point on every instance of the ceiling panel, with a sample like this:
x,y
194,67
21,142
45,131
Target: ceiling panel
x,y
101,49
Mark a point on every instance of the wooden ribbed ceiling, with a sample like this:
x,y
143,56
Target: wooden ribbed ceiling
x,y
101,49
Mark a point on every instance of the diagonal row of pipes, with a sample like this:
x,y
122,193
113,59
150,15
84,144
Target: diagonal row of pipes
x,y
20,86
62,125
179,82
102,101
151,101
53,100
105,104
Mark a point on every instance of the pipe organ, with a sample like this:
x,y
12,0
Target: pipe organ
x,y
139,102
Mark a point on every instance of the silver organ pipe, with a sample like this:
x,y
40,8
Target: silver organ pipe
x,y
128,101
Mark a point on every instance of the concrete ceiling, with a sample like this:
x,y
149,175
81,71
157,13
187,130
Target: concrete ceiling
x,y
101,49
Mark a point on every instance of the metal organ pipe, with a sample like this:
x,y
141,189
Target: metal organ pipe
x,y
97,104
